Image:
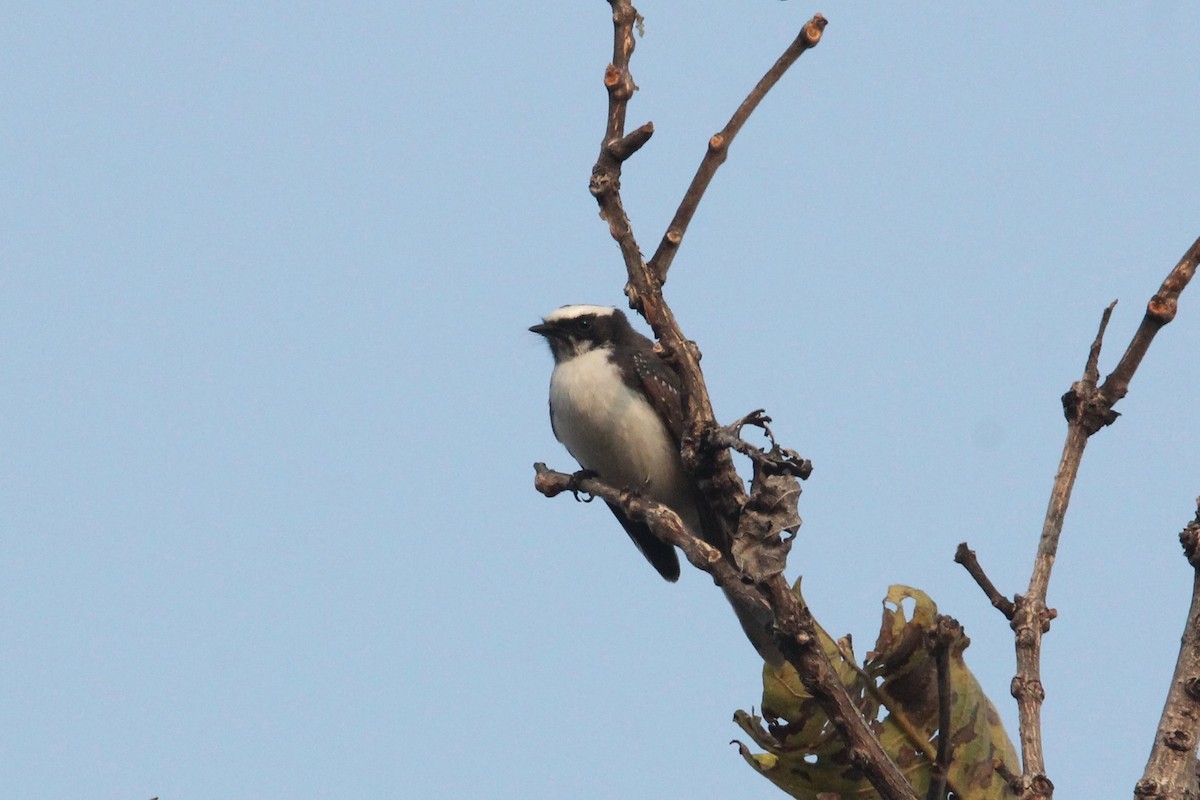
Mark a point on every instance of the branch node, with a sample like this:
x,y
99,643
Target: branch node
x,y
602,183
1179,740
546,481
1162,308
612,77
1040,786
1086,406
1022,688
1147,788
1189,537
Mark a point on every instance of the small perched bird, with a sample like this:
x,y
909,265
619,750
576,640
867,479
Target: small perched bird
x,y
616,406
606,392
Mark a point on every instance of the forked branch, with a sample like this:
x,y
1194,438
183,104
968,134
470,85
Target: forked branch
x,y
718,146
712,467
1088,408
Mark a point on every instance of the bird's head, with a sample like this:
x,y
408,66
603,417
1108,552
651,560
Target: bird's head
x,y
572,331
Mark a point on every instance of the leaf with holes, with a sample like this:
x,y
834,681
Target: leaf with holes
x,y
759,548
896,689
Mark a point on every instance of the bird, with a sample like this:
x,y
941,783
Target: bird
x,y
616,406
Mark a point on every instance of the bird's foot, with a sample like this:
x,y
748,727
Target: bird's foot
x,y
576,479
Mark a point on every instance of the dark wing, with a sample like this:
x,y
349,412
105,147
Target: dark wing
x,y
661,385
660,554
646,371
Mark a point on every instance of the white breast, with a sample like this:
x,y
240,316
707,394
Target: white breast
x,y
614,431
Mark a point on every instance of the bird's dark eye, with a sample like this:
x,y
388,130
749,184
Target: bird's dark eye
x,y
585,324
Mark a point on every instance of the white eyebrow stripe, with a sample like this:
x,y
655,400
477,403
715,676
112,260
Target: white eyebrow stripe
x,y
574,312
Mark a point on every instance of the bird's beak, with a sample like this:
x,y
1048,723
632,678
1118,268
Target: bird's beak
x,y
542,329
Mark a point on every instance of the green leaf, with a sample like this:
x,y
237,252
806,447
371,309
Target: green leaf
x,y
896,690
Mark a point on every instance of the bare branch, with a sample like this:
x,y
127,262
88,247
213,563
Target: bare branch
x,y
948,631
966,556
664,522
1031,618
1087,409
713,470
718,145
1159,311
1171,769
616,147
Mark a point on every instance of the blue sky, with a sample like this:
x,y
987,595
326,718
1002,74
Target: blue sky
x,y
267,524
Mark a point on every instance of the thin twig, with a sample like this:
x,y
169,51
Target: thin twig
x,y
966,556
1171,769
1013,781
1159,311
915,738
664,522
718,145
946,632
615,148
781,458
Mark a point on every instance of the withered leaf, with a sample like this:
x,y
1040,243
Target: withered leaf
x,y
807,758
759,548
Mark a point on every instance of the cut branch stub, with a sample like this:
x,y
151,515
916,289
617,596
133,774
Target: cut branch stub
x,y
966,556
623,148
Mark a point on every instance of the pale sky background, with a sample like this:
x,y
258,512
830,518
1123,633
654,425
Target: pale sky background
x,y
269,405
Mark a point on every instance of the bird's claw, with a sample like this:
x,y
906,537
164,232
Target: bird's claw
x,y
576,479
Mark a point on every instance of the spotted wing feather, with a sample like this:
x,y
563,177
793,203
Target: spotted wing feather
x,y
661,385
